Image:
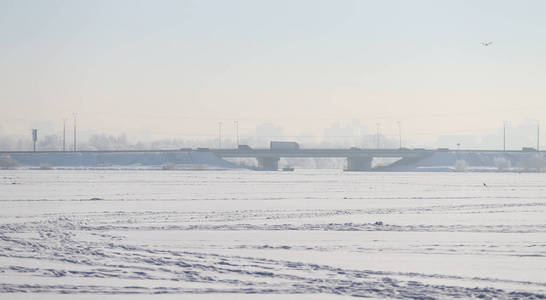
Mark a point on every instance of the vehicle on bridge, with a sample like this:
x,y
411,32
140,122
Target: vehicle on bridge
x,y
243,147
276,145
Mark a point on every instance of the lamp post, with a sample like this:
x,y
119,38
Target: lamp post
x,y
399,134
377,137
74,132
504,134
237,133
538,136
64,135
219,135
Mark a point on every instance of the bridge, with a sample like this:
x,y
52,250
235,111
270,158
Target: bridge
x,y
268,159
357,159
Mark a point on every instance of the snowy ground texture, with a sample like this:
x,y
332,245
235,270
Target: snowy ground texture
x,y
80,234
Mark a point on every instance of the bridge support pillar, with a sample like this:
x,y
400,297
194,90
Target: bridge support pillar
x,y
268,163
359,163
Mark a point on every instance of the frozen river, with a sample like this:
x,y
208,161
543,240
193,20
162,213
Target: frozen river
x,y
308,234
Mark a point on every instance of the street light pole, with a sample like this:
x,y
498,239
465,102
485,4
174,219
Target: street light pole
x,y
504,136
237,133
399,134
219,135
377,135
64,135
74,132
538,136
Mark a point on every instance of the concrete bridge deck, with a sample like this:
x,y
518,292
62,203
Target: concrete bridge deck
x,y
321,153
327,152
357,159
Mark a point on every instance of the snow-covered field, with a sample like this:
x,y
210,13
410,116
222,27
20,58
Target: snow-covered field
x,y
313,234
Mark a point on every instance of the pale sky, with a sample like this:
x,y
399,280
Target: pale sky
x,y
175,69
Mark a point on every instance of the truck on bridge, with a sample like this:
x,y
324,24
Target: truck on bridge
x,y
276,145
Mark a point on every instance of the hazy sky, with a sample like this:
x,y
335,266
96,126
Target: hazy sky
x,y
176,68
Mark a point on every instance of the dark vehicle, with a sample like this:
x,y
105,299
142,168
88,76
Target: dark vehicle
x,y
243,147
203,149
528,149
274,145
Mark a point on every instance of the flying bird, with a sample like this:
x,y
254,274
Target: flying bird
x,y
486,43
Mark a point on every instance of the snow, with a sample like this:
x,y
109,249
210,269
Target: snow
x,y
308,234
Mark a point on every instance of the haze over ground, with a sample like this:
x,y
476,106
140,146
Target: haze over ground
x,y
316,71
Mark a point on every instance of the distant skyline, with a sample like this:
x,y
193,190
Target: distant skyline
x,y
315,69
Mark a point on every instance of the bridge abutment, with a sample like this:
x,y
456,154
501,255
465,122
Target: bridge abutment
x,y
359,163
268,163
